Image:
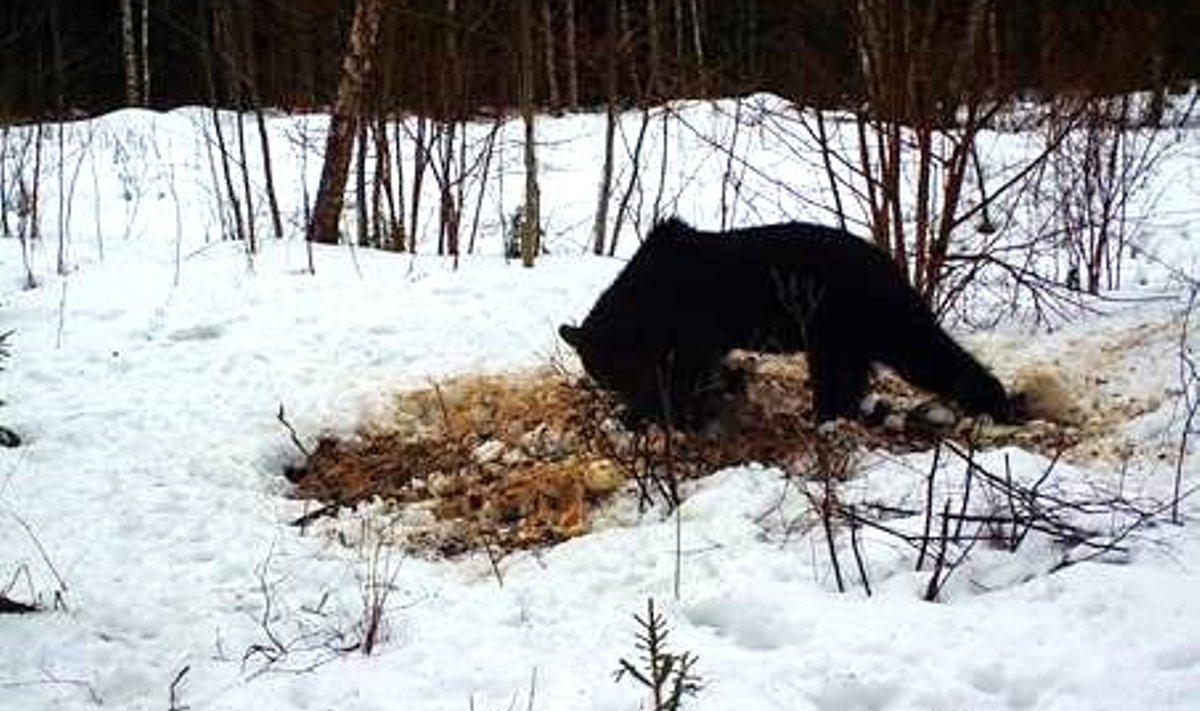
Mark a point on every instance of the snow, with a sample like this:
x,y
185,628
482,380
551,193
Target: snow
x,y
146,384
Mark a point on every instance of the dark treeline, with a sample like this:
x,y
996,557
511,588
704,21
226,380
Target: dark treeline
x,y
453,58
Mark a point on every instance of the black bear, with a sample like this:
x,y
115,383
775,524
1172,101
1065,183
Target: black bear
x,y
659,334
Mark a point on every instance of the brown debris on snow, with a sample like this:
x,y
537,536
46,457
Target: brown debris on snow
x,y
508,460
1046,397
523,459
1085,387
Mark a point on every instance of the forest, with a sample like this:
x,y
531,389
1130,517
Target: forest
x,y
458,58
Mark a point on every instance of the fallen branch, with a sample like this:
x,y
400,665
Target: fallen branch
x,y
292,433
175,705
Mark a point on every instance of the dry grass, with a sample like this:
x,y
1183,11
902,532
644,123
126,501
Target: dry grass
x,y
510,460
521,460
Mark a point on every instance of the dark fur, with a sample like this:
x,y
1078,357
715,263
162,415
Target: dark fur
x,y
657,336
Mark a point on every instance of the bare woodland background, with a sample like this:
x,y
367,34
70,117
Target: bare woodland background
x,y
453,58
888,99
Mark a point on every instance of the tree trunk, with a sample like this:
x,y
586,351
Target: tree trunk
x,y
489,151
655,73
362,220
268,172
454,103
625,30
399,236
232,228
697,38
420,165
453,82
572,57
677,25
56,44
145,52
34,202
251,235
223,151
383,224
551,69
7,229
30,230
634,184
249,84
600,223
448,206
531,221
129,49
347,111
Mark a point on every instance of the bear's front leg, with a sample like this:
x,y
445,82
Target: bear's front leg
x,y
684,391
838,381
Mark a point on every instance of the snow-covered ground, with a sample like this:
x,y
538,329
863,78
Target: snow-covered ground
x,y
146,510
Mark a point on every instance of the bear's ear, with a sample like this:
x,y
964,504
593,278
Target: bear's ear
x,y
572,335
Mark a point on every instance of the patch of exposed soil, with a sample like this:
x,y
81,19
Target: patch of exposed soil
x,y
521,460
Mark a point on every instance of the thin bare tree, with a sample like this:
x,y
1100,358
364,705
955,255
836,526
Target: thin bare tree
x,y
362,219
600,222
145,45
531,217
572,56
422,142
655,78
129,50
247,70
4,187
264,143
551,64
698,37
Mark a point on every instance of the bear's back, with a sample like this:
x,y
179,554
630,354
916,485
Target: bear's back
x,y
684,284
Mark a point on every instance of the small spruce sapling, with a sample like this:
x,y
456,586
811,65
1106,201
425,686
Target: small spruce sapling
x,y
668,676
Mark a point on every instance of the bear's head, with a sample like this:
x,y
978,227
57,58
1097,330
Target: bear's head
x,y
613,367
983,394
625,370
